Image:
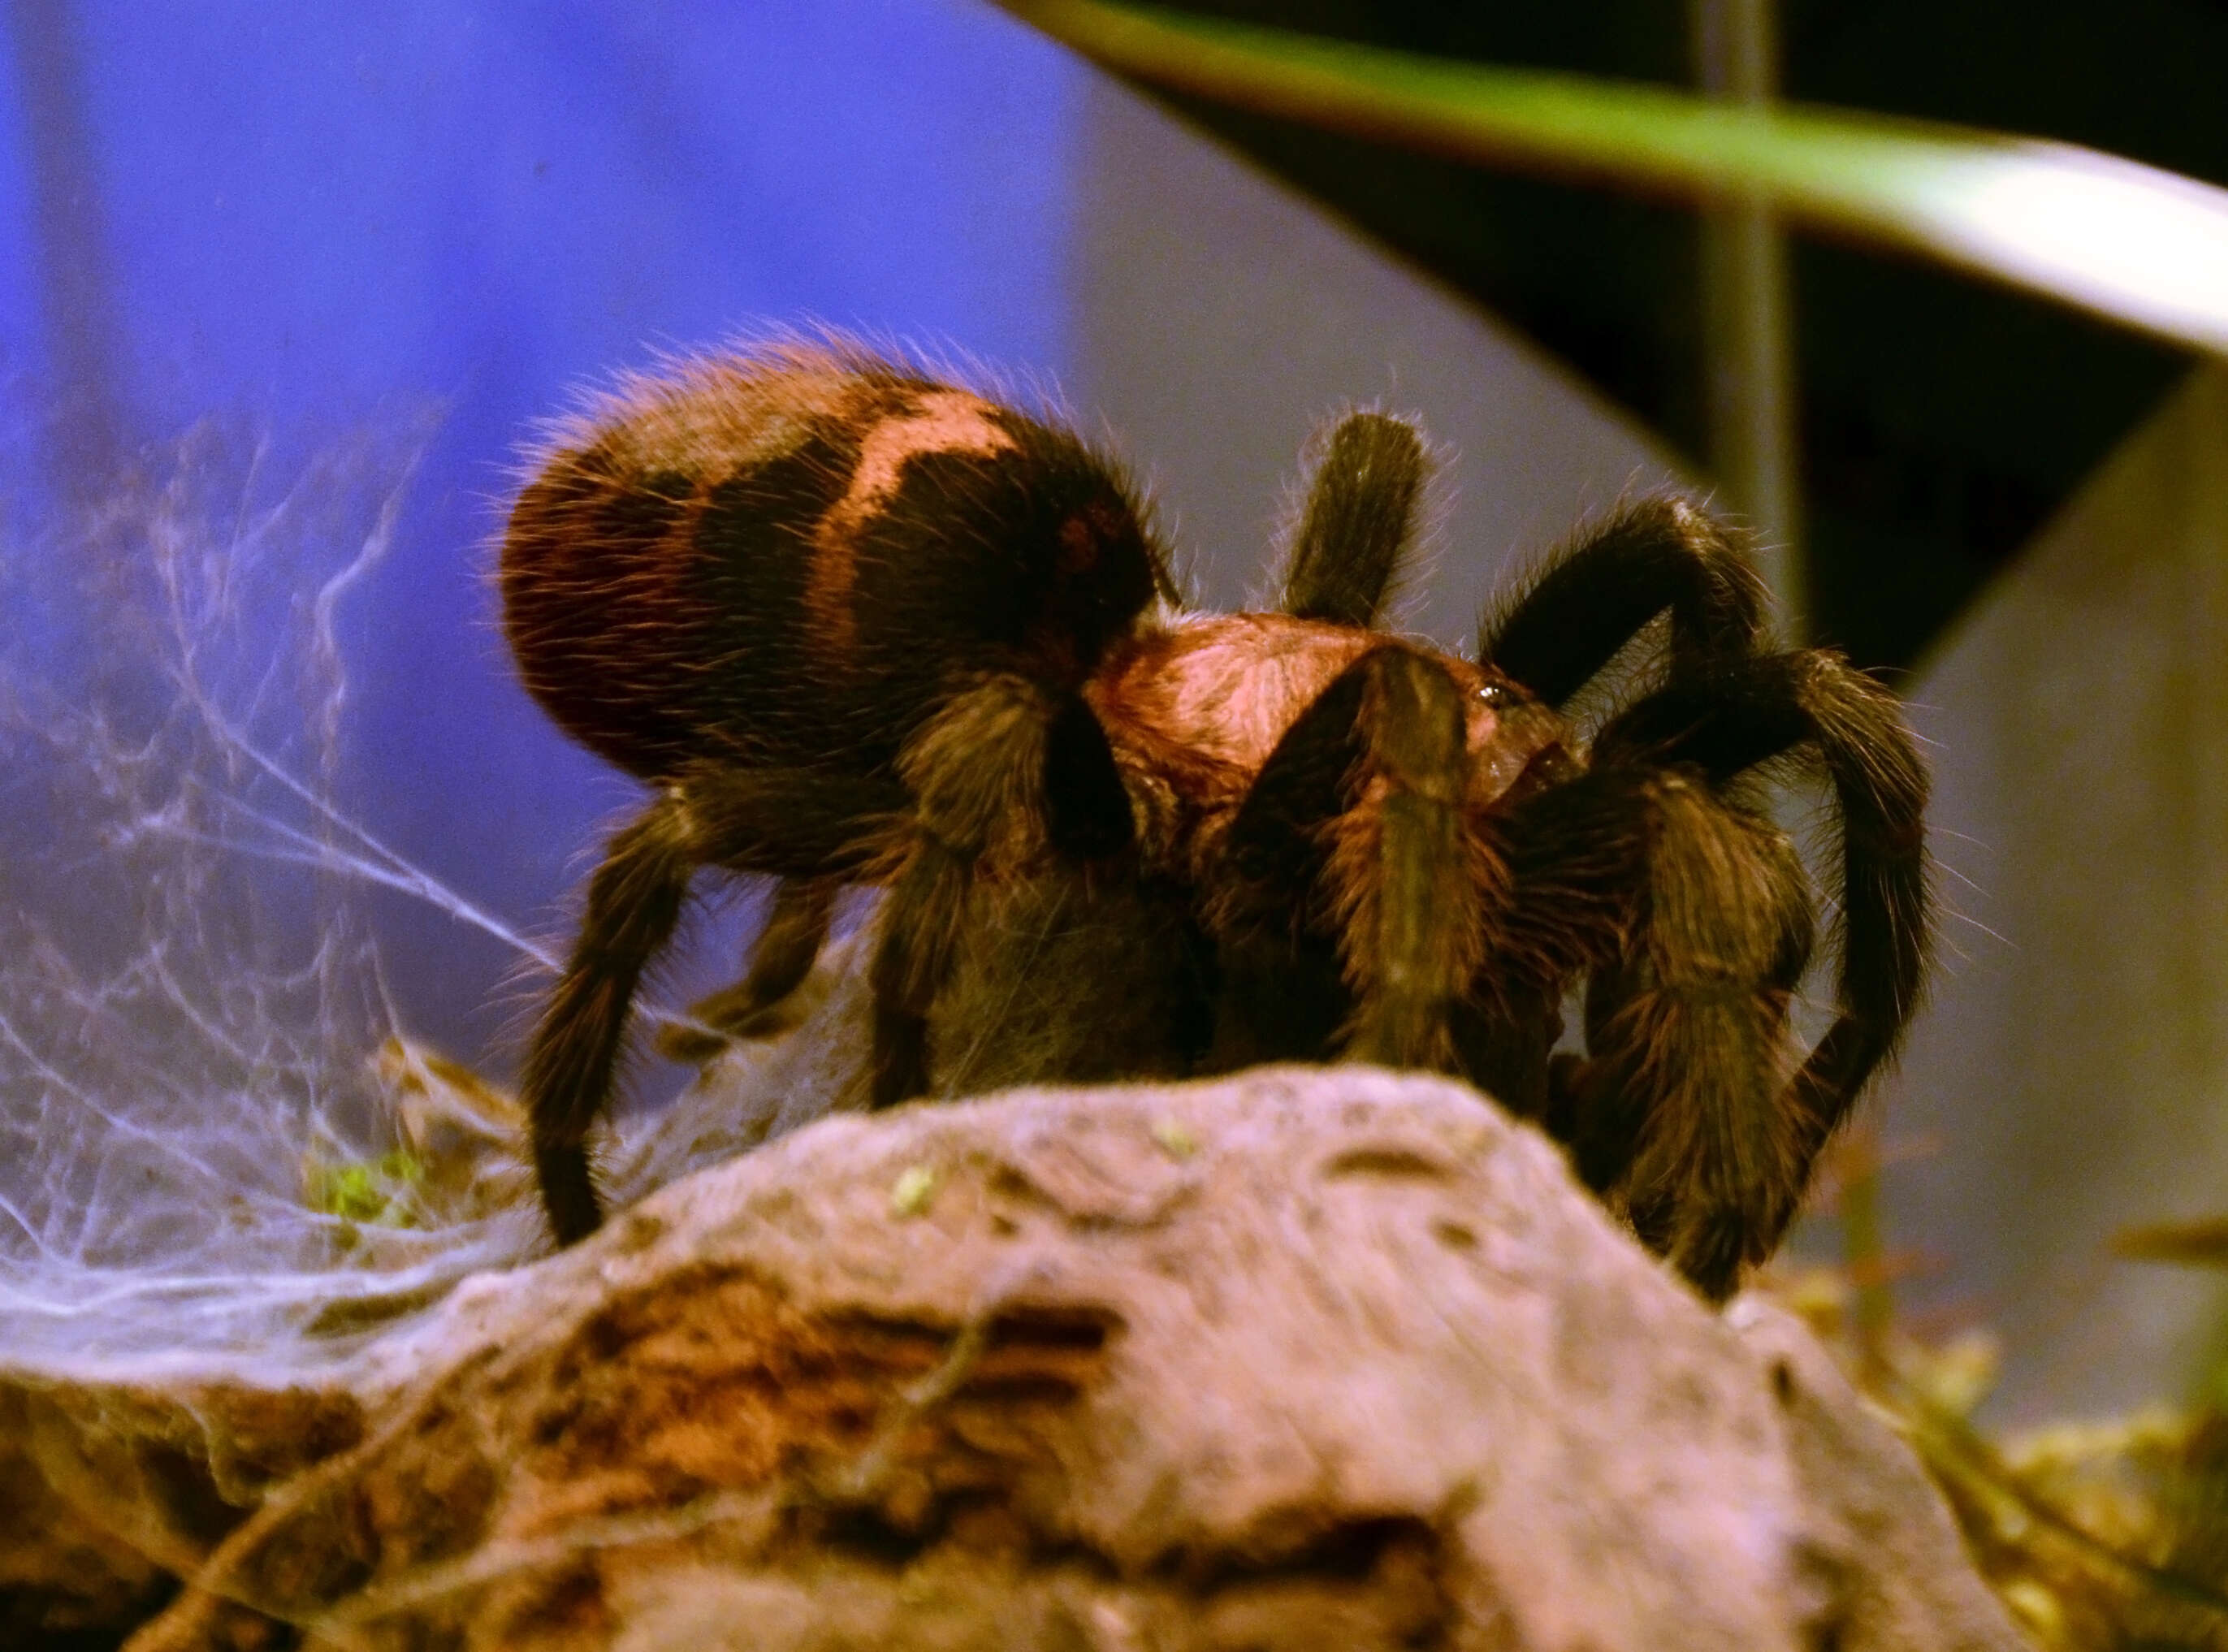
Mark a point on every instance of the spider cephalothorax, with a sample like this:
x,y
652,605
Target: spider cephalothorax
x,y
856,624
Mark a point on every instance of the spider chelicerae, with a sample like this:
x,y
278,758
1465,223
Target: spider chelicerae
x,y
855,624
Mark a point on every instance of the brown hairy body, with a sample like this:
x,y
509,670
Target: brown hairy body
x,y
1194,709
788,560
854,624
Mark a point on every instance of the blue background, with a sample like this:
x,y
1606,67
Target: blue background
x,y
433,221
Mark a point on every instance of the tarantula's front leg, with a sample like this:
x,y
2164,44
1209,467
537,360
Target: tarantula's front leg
x,y
1810,703
1360,514
1564,626
750,820
1693,918
1007,768
1356,825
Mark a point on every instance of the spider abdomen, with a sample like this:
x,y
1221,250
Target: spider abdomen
x,y
793,559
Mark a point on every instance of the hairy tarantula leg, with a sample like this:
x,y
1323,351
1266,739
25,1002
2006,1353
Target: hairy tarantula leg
x,y
1693,918
748,820
1356,820
1004,768
1746,713
1590,598
1361,513
1279,988
634,901
781,957
1577,859
1694,1024
1400,871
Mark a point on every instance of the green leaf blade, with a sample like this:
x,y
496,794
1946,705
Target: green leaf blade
x,y
2135,244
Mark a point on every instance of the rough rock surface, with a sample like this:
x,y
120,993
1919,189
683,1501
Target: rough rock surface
x,y
1303,1359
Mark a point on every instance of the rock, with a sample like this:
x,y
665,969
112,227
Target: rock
x,y
114,1487
1304,1358
1885,1528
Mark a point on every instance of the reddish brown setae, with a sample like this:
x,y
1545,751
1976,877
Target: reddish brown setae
x,y
853,623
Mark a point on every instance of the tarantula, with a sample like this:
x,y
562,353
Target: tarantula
x,y
856,624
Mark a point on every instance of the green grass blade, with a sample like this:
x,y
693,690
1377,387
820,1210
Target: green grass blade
x,y
2139,246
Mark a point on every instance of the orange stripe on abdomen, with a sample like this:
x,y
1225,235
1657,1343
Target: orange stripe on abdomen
x,y
937,421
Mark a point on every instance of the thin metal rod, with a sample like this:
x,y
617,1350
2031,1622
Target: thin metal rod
x,y
1747,333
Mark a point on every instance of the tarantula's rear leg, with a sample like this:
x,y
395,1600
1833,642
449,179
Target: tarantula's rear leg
x,y
781,957
1574,617
1355,827
1005,771
634,902
749,820
1360,516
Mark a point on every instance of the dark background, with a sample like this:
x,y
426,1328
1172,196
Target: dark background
x,y
1941,421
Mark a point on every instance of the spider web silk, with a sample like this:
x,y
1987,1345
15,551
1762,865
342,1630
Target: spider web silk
x,y
204,1083
192,1012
